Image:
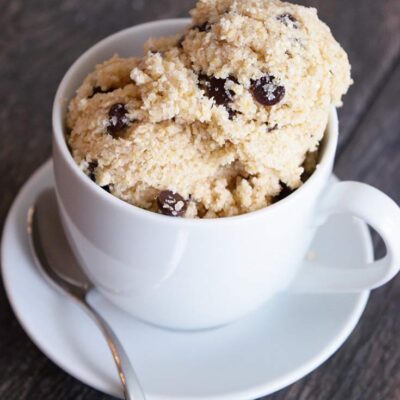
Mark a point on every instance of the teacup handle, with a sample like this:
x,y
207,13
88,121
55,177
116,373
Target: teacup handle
x,y
377,210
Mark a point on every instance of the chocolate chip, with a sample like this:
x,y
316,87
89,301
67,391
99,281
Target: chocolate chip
x,y
231,113
288,20
273,128
285,192
117,119
206,27
266,91
98,89
216,88
92,170
171,204
92,174
180,42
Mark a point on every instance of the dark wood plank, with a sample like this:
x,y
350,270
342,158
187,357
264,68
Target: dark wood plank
x,y
372,153
38,42
368,30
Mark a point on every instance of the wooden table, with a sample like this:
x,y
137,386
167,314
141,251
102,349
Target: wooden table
x,y
38,42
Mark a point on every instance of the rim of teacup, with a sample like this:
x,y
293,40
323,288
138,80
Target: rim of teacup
x,y
328,145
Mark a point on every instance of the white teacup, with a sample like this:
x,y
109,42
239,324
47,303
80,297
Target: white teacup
x,y
195,274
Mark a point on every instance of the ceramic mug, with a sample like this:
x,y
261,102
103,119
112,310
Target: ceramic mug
x,y
192,273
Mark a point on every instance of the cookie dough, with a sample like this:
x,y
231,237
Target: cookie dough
x,y
216,122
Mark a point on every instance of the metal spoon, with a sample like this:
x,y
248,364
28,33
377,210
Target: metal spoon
x,y
59,266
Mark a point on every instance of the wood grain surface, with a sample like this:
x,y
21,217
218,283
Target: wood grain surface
x,y
40,39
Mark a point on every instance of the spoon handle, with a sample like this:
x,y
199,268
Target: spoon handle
x,y
130,382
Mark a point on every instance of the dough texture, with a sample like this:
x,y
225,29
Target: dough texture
x,y
225,115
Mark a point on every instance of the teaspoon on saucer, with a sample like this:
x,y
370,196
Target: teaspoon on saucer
x,y
58,265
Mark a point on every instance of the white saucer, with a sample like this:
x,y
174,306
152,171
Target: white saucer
x,y
256,356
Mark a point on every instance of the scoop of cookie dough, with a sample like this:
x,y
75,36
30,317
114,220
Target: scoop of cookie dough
x,y
217,121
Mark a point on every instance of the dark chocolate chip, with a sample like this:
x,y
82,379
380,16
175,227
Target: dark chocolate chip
x,y
171,204
285,192
288,20
92,174
98,89
231,113
180,42
216,88
203,27
92,170
266,91
273,128
117,119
